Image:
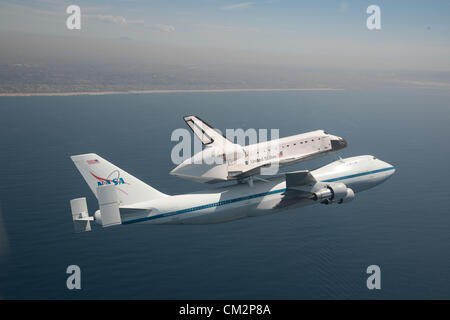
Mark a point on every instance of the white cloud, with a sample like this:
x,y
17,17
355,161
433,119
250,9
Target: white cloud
x,y
117,19
164,27
227,28
124,21
237,6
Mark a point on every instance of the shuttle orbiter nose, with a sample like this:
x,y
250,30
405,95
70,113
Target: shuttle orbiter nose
x,y
338,143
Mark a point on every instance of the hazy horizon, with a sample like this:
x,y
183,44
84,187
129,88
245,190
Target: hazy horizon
x,y
222,45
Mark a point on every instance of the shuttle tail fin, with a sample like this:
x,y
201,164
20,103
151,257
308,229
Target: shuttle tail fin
x,y
207,134
97,172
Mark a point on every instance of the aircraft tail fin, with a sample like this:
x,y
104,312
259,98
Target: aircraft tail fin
x,y
97,172
207,134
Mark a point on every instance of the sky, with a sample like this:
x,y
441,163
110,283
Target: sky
x,y
414,35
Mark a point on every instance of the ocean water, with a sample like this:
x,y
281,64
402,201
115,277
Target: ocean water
x,y
318,252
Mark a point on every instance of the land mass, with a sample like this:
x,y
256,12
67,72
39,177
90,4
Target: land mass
x,y
73,66
16,94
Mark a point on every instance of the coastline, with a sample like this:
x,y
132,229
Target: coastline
x,y
97,93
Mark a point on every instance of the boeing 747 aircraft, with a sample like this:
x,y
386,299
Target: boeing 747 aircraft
x,y
124,199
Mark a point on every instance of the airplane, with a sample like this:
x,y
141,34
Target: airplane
x,y
124,199
223,160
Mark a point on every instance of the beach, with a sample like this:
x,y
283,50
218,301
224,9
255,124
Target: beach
x,y
97,93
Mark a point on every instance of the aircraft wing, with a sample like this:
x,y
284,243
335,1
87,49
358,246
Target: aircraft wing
x,y
297,183
299,178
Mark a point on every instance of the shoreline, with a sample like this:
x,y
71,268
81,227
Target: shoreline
x,y
98,93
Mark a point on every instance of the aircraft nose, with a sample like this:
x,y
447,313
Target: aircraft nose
x,y
390,169
338,143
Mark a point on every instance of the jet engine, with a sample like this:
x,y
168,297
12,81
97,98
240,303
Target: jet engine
x,y
334,193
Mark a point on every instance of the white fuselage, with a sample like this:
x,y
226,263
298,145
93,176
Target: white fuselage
x,y
263,197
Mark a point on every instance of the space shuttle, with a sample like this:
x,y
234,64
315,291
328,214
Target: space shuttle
x,y
223,160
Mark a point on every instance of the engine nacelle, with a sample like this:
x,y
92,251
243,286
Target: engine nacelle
x,y
334,193
348,197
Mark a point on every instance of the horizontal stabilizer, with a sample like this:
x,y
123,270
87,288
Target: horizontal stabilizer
x,y
109,205
80,215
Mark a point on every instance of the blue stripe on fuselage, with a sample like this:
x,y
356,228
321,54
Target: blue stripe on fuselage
x,y
206,206
358,174
253,196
